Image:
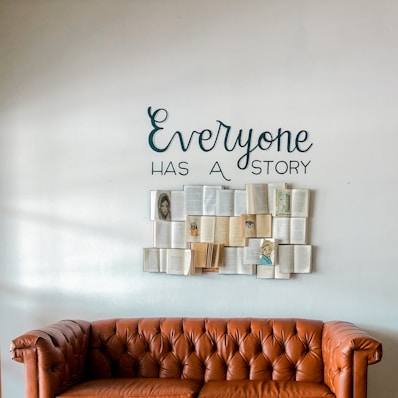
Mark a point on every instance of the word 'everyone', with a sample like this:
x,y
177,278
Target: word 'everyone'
x,y
224,135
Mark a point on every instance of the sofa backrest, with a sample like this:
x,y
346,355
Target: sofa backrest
x,y
207,349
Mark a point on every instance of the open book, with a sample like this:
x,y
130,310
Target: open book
x,y
201,199
169,234
169,261
210,229
260,251
271,272
295,258
292,202
233,263
256,225
155,259
260,197
207,255
290,230
167,205
230,202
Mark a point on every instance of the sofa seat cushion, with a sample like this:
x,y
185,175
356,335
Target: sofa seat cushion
x,y
264,389
134,388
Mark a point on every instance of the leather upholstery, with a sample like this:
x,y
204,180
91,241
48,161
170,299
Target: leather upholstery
x,y
347,353
326,358
207,350
54,357
135,387
266,389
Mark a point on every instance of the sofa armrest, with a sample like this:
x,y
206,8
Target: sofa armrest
x,y
54,357
347,351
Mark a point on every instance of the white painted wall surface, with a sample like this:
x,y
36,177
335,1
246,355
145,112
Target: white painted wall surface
x,y
76,78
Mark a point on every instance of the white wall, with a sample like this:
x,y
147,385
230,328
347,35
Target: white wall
x,y
76,78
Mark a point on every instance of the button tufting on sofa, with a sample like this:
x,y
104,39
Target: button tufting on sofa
x,y
196,358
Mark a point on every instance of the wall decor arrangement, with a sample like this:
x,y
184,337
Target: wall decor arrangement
x,y
260,230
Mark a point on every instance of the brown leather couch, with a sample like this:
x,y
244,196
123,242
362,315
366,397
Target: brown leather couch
x,y
192,357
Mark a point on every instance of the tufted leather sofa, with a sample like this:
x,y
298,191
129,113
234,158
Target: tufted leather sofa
x,y
192,357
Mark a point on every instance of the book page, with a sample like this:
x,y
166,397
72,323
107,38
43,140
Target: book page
x,y
193,228
248,225
257,198
153,205
272,187
281,229
233,263
151,259
208,227
188,268
235,238
286,258
283,202
279,274
246,269
221,231
210,199
225,202
193,199
264,225
268,252
178,234
300,202
162,234
160,205
240,202
251,252
179,261
200,252
217,258
177,205
298,230
163,260
302,258
265,271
